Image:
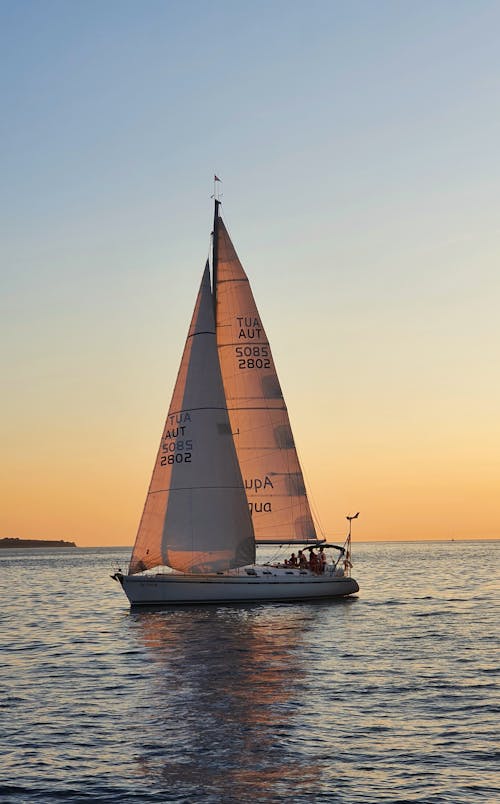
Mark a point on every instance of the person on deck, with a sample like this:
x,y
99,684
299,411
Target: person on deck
x,y
293,560
313,560
322,560
302,560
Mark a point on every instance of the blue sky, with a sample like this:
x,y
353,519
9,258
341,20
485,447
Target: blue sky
x,y
358,143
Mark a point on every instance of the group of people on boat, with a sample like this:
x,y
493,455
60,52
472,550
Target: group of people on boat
x,y
316,561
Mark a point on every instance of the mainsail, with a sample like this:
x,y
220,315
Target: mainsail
x,y
264,442
196,516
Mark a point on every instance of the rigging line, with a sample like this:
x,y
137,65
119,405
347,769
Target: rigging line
x,y
190,410
275,496
265,408
233,279
309,494
209,253
239,343
170,489
203,332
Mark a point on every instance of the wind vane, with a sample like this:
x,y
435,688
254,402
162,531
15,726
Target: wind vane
x,y
217,195
350,518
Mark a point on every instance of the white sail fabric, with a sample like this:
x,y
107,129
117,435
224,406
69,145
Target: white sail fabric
x,y
196,516
264,442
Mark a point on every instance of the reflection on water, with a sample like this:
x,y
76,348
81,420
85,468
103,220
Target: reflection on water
x,y
230,683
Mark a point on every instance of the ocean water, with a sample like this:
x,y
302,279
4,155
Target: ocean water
x,y
387,697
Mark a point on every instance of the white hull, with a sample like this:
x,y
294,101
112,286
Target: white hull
x,y
175,589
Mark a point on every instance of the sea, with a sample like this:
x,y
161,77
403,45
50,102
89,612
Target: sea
x,y
390,696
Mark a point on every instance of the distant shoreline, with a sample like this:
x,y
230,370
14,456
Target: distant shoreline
x,y
12,543
15,543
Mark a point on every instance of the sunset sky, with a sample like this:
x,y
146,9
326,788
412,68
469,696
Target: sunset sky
x,y
359,147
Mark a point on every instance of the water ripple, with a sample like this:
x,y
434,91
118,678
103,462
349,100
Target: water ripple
x,y
388,697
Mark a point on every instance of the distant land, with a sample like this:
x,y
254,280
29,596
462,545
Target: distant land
x,y
10,543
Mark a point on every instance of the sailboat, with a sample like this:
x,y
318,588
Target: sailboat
x,y
227,477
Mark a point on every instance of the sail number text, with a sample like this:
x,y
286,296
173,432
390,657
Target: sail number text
x,y
178,451
250,357
178,457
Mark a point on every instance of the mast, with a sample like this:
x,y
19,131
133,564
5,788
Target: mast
x,y
215,249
